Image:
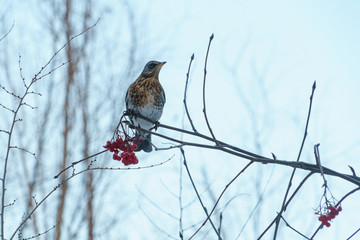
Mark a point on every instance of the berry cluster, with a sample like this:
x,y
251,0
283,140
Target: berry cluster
x,y
330,214
126,146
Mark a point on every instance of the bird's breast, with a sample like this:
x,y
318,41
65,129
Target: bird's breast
x,y
146,93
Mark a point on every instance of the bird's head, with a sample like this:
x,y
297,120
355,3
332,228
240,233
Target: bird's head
x,y
152,69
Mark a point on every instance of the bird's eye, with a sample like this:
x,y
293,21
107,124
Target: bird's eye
x,y
151,65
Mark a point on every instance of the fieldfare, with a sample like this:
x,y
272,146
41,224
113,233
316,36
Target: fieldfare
x,y
146,97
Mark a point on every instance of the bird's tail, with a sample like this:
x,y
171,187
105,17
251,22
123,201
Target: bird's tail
x,y
143,142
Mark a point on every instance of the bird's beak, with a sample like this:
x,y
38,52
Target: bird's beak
x,y
159,66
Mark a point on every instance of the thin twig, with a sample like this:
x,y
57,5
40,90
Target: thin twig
x,y
12,26
283,208
256,205
353,234
21,74
168,236
74,175
28,105
25,150
39,234
9,109
77,162
125,168
156,205
34,209
52,70
197,194
15,120
204,101
318,162
218,200
35,78
185,92
109,168
10,204
8,92
287,224
286,204
181,208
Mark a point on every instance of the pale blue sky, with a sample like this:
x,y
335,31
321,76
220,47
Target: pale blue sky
x,y
266,53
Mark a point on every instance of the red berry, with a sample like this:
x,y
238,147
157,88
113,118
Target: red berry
x,y
115,156
331,208
107,145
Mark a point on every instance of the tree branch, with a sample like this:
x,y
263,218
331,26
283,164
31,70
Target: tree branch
x,y
204,102
197,194
222,193
283,208
185,92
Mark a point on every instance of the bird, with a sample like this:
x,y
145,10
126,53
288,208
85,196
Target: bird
x,y
145,97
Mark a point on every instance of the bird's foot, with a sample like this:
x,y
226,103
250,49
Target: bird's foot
x,y
129,112
156,125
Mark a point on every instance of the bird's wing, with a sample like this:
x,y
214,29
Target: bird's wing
x,y
163,98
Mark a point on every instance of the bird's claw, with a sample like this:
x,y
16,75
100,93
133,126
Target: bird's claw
x,y
156,125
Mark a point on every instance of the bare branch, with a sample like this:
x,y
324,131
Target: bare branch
x,y
77,162
28,105
204,102
16,119
52,70
185,92
353,234
222,193
25,150
10,93
156,205
9,109
39,234
10,204
12,26
287,224
352,170
35,93
286,204
318,162
245,154
35,78
34,209
197,194
155,225
4,131
283,208
27,217
21,74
